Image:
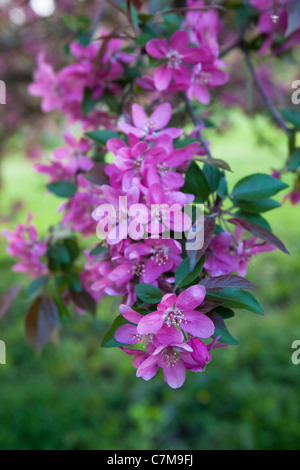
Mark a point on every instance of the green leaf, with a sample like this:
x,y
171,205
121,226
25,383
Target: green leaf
x,y
292,117
183,275
64,189
225,312
184,143
225,337
148,293
98,250
257,187
196,183
88,103
109,340
236,298
37,286
102,136
212,175
294,162
143,39
256,207
59,253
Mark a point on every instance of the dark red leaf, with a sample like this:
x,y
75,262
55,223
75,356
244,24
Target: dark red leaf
x,y
137,4
217,320
7,300
41,323
96,175
84,301
259,232
227,280
208,306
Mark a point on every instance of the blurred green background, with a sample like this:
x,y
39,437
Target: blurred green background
x,y
79,396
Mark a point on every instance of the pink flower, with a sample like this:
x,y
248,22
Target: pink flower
x,y
221,257
128,334
205,77
179,312
46,85
169,359
293,197
247,249
150,128
176,52
68,161
160,256
23,243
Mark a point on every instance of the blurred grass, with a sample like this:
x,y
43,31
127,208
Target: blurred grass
x,y
79,396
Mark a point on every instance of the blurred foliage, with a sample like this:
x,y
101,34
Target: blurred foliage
x,y
78,396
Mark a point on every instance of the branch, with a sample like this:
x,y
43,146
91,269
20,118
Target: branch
x,y
275,114
197,122
97,20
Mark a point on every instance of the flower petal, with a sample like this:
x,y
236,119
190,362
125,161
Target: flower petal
x,y
191,298
150,323
157,48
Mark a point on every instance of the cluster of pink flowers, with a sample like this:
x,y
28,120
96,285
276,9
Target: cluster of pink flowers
x,y
273,21
164,335
228,253
92,72
23,244
147,171
192,69
68,161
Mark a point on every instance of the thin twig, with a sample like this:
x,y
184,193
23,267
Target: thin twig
x,y
117,7
275,114
188,9
197,122
97,20
233,46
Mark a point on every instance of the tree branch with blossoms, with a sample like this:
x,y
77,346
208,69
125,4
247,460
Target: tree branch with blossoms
x,y
151,190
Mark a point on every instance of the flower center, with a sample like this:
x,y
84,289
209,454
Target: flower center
x,y
160,256
171,358
174,316
138,269
175,59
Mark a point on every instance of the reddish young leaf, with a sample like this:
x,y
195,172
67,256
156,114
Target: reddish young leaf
x,y
259,232
217,320
208,305
41,322
137,4
7,300
84,301
96,175
227,280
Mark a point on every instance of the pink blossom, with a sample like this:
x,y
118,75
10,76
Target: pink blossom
x,y
221,257
152,127
176,52
169,359
23,243
128,334
205,77
293,197
179,311
247,249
